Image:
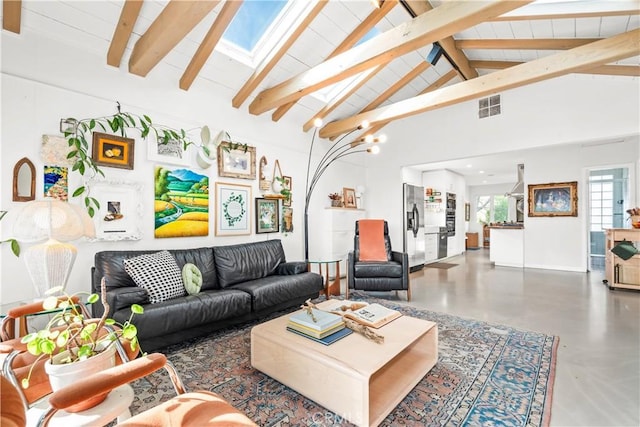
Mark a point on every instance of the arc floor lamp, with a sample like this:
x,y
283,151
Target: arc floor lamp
x,y
367,144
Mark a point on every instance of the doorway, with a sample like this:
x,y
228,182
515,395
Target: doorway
x,y
608,202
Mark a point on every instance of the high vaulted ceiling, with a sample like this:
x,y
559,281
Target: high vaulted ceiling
x,y
489,46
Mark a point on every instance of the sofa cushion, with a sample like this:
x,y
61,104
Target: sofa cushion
x,y
274,290
158,273
247,261
192,278
378,269
188,312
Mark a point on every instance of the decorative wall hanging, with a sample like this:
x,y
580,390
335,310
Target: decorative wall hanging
x,y
24,181
264,183
170,151
55,183
286,191
181,203
556,199
267,216
118,217
233,212
349,197
236,161
113,151
287,220
54,151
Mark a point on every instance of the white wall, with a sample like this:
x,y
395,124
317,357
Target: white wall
x,y
569,110
44,80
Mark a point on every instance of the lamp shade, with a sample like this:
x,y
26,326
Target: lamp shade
x,y
40,220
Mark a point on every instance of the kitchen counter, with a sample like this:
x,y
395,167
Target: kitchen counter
x,y
507,246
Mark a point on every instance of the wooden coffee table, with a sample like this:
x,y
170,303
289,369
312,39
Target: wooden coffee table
x,y
355,378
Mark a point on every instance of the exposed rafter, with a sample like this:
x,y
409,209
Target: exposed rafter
x,y
438,23
11,15
122,33
610,70
580,58
175,21
275,55
457,58
523,44
626,11
354,37
209,42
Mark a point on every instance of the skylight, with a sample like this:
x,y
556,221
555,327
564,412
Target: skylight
x,y
252,21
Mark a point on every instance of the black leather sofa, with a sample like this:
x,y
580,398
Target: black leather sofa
x,y
240,283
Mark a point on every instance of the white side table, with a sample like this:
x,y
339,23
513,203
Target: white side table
x,y
116,405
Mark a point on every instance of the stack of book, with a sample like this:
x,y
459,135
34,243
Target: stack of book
x,y
327,328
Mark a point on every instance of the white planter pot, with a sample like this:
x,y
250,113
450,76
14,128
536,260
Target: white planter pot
x,y
61,375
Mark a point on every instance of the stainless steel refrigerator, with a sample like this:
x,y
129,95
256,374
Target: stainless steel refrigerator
x,y
414,225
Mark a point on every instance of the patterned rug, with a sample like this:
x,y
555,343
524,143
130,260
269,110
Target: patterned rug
x,y
487,374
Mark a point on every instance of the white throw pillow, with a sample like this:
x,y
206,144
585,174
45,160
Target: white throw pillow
x,y
158,273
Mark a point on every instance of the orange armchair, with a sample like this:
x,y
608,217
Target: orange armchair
x,y
200,408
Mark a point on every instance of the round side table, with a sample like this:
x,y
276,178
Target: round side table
x,y
330,288
116,405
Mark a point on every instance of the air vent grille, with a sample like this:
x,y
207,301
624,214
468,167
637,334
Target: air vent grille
x,y
488,107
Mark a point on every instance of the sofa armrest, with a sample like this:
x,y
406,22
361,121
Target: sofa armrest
x,y
292,267
119,298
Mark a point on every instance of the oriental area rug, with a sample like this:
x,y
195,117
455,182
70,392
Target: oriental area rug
x,y
487,374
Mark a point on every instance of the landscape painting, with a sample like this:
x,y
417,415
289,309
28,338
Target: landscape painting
x,y
181,203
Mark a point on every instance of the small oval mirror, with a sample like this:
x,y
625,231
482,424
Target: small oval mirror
x,y
24,181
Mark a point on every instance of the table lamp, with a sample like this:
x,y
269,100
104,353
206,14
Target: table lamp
x,y
54,222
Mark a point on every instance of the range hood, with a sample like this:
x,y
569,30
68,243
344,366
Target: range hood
x,y
518,188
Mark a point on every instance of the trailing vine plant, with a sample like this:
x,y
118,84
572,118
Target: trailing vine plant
x,y
15,246
117,123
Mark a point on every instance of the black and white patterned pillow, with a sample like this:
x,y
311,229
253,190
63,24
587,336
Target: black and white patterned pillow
x,y
158,273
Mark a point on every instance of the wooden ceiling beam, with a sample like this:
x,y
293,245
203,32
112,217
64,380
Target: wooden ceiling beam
x,y
224,18
443,21
580,58
276,54
354,37
609,70
523,44
457,57
122,33
569,15
11,15
175,21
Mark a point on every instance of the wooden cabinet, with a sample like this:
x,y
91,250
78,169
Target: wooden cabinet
x,y
332,238
472,240
622,273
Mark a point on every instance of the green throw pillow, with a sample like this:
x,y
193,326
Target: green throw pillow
x,y
192,278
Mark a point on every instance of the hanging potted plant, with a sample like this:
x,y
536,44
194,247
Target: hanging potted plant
x,y
75,345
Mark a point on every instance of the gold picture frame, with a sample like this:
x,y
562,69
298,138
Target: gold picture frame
x,y
349,197
555,199
112,151
236,162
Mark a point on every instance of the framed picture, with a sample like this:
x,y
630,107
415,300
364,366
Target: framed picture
x,y
118,217
55,182
181,203
171,152
349,197
236,163
288,185
267,217
556,199
233,212
112,151
467,211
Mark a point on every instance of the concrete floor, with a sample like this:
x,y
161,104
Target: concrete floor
x,y
598,366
